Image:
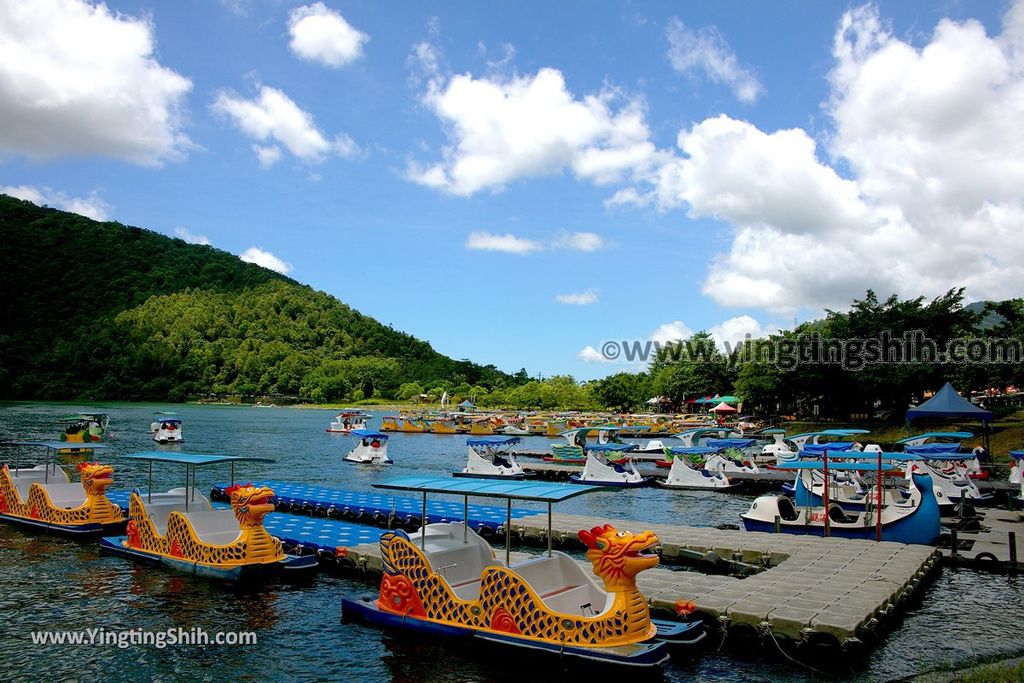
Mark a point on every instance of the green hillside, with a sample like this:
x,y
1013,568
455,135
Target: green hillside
x,y
103,310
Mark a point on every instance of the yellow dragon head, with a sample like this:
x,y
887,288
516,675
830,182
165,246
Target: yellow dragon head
x,y
618,556
95,477
250,503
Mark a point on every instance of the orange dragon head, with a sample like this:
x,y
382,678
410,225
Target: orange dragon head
x,y
95,477
618,556
250,503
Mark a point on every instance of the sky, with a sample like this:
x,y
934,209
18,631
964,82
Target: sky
x,y
519,182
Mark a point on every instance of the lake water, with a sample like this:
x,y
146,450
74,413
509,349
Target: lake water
x,y
56,584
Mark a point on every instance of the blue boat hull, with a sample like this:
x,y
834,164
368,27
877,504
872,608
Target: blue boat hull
x,y
921,527
291,566
69,530
640,655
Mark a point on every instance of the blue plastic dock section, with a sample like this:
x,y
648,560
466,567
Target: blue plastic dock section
x,y
310,532
298,496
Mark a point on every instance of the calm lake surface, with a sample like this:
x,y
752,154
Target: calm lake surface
x,y
55,584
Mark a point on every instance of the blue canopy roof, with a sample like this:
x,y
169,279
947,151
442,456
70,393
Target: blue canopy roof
x,y
493,441
959,436
818,448
192,458
599,447
367,434
1017,454
692,450
843,432
729,443
948,403
773,431
514,490
697,431
55,445
171,420
932,448
467,404
817,465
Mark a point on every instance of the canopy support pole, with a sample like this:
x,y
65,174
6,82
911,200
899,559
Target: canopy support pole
x,y
49,461
423,524
879,486
149,486
508,530
549,528
824,490
186,487
465,520
232,474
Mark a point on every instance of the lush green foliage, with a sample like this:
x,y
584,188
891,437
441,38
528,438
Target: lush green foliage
x,y
102,310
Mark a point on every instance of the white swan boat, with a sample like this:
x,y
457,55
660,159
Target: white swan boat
x,y
685,474
600,470
372,448
491,457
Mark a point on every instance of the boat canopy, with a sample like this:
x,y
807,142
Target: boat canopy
x,y
698,431
367,434
959,436
774,431
492,441
819,448
843,432
192,459
489,488
1017,454
730,443
950,457
604,447
55,445
692,450
933,448
818,465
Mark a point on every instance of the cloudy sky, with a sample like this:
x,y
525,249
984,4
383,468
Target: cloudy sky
x,y
518,182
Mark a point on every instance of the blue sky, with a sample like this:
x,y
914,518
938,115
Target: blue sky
x,y
518,182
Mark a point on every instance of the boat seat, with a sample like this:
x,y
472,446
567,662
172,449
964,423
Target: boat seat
x,y
65,495
837,514
216,527
787,511
24,478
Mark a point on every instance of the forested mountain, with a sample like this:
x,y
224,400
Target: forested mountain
x,y
102,310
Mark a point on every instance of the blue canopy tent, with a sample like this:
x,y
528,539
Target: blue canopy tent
x,y
947,404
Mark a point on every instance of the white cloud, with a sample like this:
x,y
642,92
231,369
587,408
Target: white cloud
x,y
670,332
265,259
504,129
591,355
706,50
931,193
730,333
273,116
91,207
77,79
191,237
584,298
320,34
579,241
509,243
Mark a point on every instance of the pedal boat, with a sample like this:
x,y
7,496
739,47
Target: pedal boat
x,y
601,471
346,422
686,474
913,520
179,528
168,430
372,448
449,582
574,451
492,458
42,498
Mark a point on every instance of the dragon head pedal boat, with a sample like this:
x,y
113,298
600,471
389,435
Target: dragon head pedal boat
x,y
43,498
450,582
181,529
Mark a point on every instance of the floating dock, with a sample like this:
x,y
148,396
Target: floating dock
x,y
997,545
375,508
